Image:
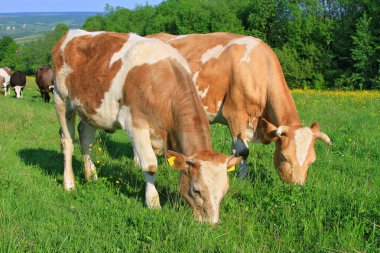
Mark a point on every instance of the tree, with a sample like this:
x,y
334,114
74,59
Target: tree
x,y
363,52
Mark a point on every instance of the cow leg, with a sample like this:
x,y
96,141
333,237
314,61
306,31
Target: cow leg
x,y
238,124
86,138
240,148
66,119
143,150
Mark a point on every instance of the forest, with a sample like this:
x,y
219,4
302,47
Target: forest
x,y
321,44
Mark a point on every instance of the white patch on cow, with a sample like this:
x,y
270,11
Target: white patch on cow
x,y
303,138
135,52
71,34
216,179
6,76
195,77
249,42
18,91
178,37
203,93
4,86
60,82
211,53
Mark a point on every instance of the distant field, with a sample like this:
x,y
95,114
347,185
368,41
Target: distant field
x,y
20,25
337,210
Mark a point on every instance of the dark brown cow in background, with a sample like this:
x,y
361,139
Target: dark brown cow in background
x,y
18,83
44,80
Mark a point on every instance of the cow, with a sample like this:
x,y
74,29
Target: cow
x,y
143,86
240,82
5,75
45,82
18,83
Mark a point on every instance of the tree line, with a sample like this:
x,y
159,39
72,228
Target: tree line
x,y
321,44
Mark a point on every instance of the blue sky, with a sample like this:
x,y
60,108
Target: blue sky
x,y
8,6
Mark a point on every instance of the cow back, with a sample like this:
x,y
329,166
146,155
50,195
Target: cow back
x,y
18,78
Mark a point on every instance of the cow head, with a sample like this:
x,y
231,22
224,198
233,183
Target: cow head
x,y
204,181
45,94
294,151
18,90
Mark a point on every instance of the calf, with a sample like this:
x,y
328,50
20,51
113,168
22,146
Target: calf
x,y
5,75
18,82
44,80
240,82
144,87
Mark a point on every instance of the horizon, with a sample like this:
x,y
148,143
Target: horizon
x,y
50,6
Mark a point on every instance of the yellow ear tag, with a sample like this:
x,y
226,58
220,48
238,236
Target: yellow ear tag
x,y
171,160
232,168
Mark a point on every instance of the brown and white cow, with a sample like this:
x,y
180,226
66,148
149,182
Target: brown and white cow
x,y
240,82
5,75
45,82
18,83
144,87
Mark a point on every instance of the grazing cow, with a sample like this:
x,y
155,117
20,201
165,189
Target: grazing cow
x,y
44,80
240,82
5,75
18,82
143,86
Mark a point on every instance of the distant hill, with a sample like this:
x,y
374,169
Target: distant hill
x,y
30,25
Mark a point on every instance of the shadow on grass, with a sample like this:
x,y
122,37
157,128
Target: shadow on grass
x,y
117,150
128,179
51,162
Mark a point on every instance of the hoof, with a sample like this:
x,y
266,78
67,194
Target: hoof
x,y
69,186
153,202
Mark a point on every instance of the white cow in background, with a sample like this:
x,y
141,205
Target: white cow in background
x,y
5,75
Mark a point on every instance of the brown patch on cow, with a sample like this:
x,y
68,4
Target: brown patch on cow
x,y
2,79
165,37
91,68
8,70
57,54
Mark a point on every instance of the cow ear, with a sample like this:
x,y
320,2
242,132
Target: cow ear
x,y
232,161
269,131
176,160
315,127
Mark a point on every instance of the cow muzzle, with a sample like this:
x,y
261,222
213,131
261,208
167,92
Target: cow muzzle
x,y
18,91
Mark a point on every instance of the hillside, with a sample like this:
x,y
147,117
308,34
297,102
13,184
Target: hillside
x,y
21,26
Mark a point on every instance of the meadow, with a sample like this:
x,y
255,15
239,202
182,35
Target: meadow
x,y
338,210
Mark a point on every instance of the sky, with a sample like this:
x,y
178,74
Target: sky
x,y
9,6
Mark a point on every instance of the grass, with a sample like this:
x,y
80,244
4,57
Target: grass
x,y
337,210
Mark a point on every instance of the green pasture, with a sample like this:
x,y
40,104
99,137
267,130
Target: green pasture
x,y
338,210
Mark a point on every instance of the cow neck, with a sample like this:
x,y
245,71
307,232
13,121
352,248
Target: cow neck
x,y
281,109
191,129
